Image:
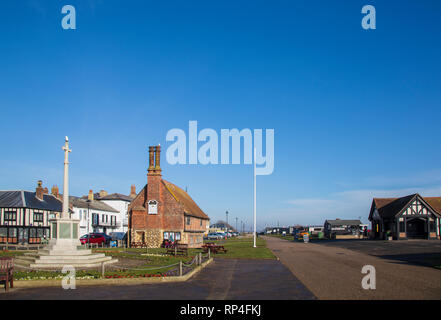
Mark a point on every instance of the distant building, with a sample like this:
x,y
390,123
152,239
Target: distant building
x,y
163,211
221,226
121,203
94,215
25,215
277,230
409,217
342,229
314,229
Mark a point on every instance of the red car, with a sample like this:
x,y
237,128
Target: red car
x,y
93,238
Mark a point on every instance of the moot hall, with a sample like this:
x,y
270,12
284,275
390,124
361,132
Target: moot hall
x,y
163,211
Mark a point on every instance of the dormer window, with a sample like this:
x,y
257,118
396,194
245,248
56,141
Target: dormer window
x,y
153,207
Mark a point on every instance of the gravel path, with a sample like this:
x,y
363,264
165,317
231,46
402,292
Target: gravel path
x,y
335,273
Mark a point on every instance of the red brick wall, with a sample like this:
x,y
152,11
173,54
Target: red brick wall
x,y
170,216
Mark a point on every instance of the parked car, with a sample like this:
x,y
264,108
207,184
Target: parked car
x,y
107,237
98,238
215,236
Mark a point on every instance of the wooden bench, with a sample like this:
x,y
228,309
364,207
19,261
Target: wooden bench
x,y
178,249
7,272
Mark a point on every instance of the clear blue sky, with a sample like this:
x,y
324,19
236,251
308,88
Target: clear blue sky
x,y
356,113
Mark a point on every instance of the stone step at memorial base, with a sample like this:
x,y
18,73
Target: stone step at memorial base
x,y
62,252
37,261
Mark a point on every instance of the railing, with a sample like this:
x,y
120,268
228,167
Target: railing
x,y
106,224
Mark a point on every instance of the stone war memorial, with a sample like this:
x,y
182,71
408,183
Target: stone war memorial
x,y
64,247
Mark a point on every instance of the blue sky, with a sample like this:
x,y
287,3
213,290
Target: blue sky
x,y
356,113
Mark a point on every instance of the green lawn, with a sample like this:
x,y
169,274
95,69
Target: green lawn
x,y
242,248
9,253
152,256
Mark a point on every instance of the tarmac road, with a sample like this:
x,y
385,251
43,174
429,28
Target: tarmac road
x,y
331,272
238,279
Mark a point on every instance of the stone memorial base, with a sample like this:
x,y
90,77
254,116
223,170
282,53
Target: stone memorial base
x,y
63,249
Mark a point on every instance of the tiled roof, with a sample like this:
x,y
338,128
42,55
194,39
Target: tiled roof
x,y
339,222
389,207
116,196
434,202
94,204
28,199
190,207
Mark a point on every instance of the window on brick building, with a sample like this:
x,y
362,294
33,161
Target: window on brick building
x,y
188,220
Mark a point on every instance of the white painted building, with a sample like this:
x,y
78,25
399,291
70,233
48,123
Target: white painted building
x,y
119,202
94,216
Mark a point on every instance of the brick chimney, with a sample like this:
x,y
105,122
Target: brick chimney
x,y
46,190
151,168
39,191
132,191
154,176
90,196
55,192
158,159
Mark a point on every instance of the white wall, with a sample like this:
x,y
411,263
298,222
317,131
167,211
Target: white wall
x,y
121,206
85,222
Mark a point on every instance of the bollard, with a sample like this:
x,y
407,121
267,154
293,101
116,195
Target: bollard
x,y
102,269
208,253
200,258
180,268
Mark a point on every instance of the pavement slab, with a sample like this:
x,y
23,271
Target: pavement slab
x,y
237,279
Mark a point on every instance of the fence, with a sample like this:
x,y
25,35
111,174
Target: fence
x,y
197,260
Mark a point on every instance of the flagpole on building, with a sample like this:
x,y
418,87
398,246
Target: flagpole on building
x,y
254,197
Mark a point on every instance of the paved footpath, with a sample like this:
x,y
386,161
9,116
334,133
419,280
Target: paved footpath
x,y
335,273
222,279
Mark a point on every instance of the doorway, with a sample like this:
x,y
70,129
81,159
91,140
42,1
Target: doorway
x,y
417,228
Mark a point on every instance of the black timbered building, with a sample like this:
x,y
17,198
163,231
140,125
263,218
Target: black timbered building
x,y
25,215
410,217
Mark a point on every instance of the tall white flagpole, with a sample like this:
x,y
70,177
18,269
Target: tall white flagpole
x,y
254,197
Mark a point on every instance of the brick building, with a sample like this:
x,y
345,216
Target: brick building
x,y
163,211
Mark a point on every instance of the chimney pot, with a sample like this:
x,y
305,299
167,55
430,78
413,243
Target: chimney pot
x,y
151,159
90,196
158,159
39,190
54,191
132,191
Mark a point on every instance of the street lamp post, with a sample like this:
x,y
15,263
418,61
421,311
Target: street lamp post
x,y
88,210
236,224
226,226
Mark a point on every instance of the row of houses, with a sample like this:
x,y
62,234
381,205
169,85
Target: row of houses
x,y
163,211
409,217
160,211
25,215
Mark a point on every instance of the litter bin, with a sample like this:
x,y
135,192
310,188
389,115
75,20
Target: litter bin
x,y
321,235
306,238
